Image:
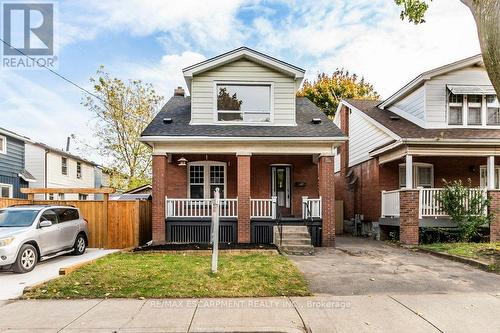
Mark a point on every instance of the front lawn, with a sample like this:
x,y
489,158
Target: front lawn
x,y
156,275
484,252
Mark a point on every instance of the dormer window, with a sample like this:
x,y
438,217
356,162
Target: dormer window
x,y
246,103
455,109
493,106
474,104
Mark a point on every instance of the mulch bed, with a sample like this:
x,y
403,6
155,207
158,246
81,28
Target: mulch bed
x,y
205,246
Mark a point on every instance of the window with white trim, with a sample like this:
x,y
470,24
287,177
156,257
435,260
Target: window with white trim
x,y
493,110
64,165
455,109
423,175
6,191
3,145
474,106
483,176
78,170
237,102
204,177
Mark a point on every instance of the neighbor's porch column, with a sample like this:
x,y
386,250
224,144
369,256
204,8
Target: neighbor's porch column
x,y
243,179
326,187
494,196
159,193
409,171
490,172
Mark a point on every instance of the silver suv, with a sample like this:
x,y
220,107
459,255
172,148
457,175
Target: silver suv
x,y
32,233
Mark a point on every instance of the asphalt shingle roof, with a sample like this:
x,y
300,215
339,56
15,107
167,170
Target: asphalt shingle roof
x,y
179,109
407,129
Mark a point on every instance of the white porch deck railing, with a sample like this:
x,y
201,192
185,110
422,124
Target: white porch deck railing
x,y
429,202
199,208
263,208
390,203
311,208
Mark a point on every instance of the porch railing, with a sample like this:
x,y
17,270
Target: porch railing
x,y
430,203
263,208
199,208
390,203
311,208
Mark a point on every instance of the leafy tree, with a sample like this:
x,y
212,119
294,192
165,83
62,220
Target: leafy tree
x,y
123,110
327,91
469,218
486,13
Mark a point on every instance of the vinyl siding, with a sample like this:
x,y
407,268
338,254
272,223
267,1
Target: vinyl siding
x,y
35,164
202,90
413,103
363,138
435,94
13,162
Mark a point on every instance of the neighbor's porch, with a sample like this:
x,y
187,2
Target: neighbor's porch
x,y
257,191
410,195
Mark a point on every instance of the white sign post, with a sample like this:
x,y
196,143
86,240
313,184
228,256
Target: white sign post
x,y
215,230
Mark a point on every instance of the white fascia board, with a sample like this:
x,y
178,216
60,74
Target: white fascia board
x,y
408,116
428,75
296,72
373,121
239,139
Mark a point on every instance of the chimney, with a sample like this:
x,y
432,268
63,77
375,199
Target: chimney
x,y
179,91
68,140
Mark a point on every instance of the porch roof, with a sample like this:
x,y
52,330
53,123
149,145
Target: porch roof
x,y
179,109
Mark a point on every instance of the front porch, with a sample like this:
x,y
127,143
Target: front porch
x,y
258,192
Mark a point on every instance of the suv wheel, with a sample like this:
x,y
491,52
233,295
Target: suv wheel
x,y
26,259
80,245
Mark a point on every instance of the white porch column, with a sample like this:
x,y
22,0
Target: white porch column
x,y
409,171
490,172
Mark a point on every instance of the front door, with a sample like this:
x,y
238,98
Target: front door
x,y
281,188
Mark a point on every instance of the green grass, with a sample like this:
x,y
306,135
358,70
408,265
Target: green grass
x,y
152,275
485,252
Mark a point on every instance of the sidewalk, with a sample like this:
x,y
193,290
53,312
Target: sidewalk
x,y
468,312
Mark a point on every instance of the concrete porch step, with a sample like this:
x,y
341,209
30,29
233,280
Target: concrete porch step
x,y
294,240
301,250
298,241
294,235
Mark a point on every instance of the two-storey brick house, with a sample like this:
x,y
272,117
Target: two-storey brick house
x,y
443,125
244,131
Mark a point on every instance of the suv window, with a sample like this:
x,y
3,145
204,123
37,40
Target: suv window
x,y
67,214
49,215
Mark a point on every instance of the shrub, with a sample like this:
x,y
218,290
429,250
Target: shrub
x,y
469,218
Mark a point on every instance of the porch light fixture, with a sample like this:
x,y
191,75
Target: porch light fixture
x,y
182,161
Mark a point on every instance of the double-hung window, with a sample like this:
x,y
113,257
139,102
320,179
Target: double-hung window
x,y
483,176
3,145
64,165
6,191
423,175
455,106
474,105
204,177
78,170
246,103
493,110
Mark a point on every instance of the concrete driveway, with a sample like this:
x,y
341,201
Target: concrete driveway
x,y
367,267
12,285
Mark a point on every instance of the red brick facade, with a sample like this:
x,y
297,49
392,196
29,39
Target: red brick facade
x,y
243,184
495,208
326,187
159,192
408,217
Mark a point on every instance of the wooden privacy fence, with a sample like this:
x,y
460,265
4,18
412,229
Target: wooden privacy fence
x,y
112,224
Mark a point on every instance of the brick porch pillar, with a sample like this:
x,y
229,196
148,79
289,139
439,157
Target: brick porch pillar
x,y
495,209
159,192
243,179
326,188
408,216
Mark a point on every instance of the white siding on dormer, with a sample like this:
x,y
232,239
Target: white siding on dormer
x,y
363,138
413,104
436,92
202,90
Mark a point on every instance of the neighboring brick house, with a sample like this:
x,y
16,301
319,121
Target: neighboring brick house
x,y
444,125
244,131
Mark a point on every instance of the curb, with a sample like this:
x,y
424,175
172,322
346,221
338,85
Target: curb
x,y
471,262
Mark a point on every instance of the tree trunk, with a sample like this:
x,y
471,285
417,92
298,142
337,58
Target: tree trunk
x,y
487,16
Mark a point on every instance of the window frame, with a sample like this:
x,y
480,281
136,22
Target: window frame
x,y
64,165
206,177
415,180
483,107
495,105
3,146
455,105
79,172
243,83
11,190
484,180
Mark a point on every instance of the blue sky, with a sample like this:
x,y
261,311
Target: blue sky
x,y
154,40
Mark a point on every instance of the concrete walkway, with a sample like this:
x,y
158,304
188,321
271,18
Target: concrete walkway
x,y
12,285
472,312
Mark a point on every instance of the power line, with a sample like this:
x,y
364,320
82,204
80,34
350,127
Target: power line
x,y
73,83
